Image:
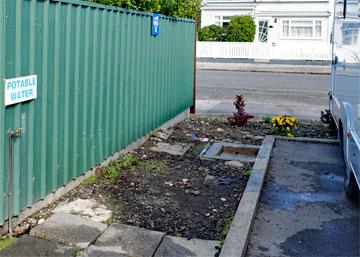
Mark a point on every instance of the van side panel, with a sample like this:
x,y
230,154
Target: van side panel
x,y
345,91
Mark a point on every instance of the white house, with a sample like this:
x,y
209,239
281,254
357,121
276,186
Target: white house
x,y
279,22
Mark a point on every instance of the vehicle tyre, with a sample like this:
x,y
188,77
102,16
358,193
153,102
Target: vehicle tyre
x,y
350,185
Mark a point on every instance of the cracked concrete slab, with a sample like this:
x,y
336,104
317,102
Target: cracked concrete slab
x,y
69,229
33,247
304,205
124,240
173,149
87,208
164,134
182,247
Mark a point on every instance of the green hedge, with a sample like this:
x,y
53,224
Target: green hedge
x,y
240,29
212,33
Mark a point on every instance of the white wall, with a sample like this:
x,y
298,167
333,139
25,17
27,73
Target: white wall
x,y
208,16
268,9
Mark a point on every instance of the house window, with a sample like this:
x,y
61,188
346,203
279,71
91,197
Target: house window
x,y
301,29
222,21
318,27
286,28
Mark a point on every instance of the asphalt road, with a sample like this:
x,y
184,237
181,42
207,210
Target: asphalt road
x,y
303,209
301,95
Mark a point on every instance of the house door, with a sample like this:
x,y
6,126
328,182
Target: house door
x,y
263,31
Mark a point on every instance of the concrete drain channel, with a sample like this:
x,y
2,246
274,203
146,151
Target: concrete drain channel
x,y
230,152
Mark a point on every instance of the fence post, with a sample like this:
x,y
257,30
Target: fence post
x,y
193,107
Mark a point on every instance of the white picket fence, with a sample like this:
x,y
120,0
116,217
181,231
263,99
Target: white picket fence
x,y
320,52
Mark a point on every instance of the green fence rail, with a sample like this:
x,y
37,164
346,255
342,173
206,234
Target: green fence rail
x,y
103,82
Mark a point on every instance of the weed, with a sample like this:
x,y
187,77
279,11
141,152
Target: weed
x,y
178,234
78,252
247,172
226,223
328,120
7,241
89,181
110,221
221,243
267,119
154,132
125,162
156,166
109,174
240,117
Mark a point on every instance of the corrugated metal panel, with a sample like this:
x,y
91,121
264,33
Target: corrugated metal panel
x,y
103,82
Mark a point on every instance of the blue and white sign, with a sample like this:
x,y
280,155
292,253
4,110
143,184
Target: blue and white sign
x,y
155,28
19,90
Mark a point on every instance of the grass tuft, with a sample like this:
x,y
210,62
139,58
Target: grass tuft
x,y
89,181
156,166
247,172
267,119
7,241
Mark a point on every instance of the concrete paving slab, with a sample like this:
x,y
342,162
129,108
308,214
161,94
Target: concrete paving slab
x,y
87,208
173,149
69,229
103,251
164,134
124,240
182,247
33,247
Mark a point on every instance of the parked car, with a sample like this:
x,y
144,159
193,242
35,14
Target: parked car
x,y
345,88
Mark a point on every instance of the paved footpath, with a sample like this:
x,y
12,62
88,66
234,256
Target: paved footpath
x,y
67,235
303,209
264,67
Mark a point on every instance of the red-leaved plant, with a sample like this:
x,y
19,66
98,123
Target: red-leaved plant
x,y
240,117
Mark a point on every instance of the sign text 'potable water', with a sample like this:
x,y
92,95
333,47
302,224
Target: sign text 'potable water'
x,y
21,89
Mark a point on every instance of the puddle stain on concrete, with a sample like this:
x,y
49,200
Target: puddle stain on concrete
x,y
313,240
282,198
303,208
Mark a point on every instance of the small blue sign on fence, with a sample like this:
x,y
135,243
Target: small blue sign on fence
x,y
155,28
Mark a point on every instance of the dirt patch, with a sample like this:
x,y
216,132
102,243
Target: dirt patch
x,y
180,195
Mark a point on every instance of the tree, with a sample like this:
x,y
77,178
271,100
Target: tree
x,y
212,33
241,29
177,8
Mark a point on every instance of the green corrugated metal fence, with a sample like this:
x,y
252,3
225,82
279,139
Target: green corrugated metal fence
x,y
103,82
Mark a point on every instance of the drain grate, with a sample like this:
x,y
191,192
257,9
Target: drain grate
x,y
230,152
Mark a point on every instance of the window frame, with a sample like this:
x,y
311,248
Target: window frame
x,y
219,20
290,37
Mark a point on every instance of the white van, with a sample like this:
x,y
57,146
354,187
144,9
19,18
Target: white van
x,y
345,88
